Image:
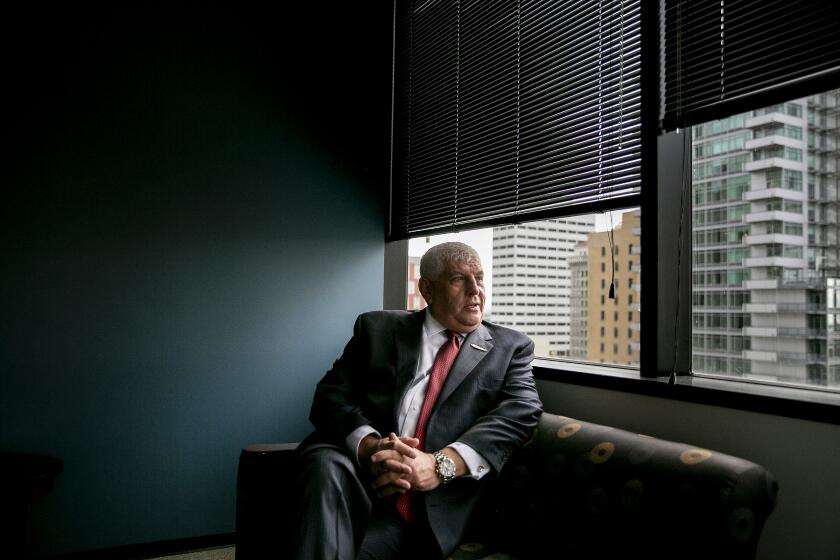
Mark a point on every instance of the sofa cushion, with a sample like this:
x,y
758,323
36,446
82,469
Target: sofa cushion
x,y
583,490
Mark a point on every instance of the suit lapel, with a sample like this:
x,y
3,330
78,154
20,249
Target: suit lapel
x,y
468,357
408,340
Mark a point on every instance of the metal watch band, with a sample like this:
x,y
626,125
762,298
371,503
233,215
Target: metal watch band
x,y
444,467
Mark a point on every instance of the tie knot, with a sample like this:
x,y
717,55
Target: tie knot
x,y
454,335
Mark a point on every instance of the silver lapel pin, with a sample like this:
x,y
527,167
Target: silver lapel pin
x,y
477,347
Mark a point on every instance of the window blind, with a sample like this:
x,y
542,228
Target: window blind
x,y
726,56
509,110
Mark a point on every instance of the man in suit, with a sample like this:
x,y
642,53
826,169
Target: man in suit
x,y
412,418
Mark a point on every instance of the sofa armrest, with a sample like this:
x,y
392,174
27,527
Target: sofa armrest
x,y
264,487
581,489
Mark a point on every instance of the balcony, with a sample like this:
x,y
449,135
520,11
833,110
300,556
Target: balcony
x,y
717,330
774,216
774,192
760,308
771,118
761,331
772,140
773,163
792,307
786,262
801,332
800,358
772,284
781,238
785,332
760,356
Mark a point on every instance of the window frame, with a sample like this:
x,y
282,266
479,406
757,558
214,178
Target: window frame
x,y
665,337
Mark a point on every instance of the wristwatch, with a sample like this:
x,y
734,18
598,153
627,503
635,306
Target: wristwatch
x,y
444,467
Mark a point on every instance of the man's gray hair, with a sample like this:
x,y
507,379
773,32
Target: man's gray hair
x,y
434,261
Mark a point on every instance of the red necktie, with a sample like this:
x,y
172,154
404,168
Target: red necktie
x,y
440,369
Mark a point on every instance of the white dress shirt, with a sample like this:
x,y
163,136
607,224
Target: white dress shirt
x,y
434,337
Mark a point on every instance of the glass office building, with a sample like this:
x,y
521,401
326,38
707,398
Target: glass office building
x,y
766,250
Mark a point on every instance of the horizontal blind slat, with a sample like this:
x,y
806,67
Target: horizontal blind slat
x,y
505,108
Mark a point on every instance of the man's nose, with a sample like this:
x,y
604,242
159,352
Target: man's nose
x,y
472,285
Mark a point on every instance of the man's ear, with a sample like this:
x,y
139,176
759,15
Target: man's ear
x,y
425,290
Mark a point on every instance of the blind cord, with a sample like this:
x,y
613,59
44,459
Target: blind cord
x,y
611,239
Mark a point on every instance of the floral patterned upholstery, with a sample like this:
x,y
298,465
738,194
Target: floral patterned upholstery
x,y
583,490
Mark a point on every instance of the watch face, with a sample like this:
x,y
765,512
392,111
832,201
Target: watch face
x,y
446,467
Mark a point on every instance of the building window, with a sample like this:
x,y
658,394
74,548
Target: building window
x,y
767,254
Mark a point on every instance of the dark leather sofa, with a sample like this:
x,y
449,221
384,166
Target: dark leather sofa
x,y
575,490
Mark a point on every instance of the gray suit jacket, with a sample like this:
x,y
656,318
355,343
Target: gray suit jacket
x,y
489,401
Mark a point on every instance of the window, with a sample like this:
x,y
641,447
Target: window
x,y
744,157
553,291
765,269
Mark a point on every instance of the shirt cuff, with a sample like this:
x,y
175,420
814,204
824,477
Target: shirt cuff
x,y
476,464
355,439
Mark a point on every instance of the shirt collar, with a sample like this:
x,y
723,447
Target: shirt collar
x,y
432,326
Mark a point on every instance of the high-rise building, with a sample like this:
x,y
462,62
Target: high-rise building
x,y
612,326
578,301
531,279
414,300
766,249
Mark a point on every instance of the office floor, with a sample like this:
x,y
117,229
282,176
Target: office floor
x,y
224,553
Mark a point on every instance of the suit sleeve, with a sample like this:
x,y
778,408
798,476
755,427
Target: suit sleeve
x,y
517,408
335,411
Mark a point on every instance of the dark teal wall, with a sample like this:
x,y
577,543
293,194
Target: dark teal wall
x,y
192,218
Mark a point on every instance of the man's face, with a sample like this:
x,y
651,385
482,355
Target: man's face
x,y
456,297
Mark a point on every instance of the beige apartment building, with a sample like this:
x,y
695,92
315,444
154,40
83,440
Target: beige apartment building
x,y
612,324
